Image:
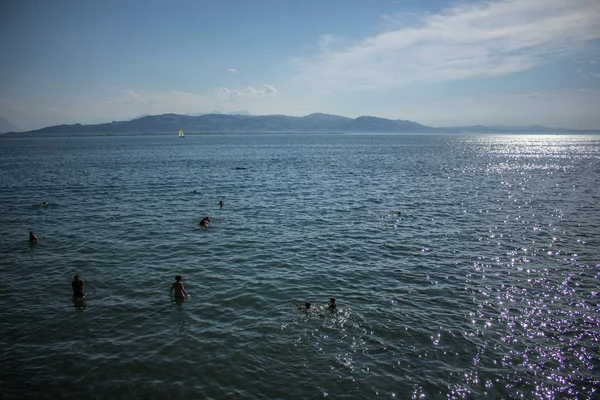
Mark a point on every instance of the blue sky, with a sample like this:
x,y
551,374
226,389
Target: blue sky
x,y
440,63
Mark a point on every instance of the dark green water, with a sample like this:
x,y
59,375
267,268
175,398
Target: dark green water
x,y
463,266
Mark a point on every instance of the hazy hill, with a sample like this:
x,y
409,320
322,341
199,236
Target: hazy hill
x,y
238,123
375,124
170,124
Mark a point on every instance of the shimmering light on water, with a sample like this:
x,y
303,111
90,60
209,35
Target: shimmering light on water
x,y
464,267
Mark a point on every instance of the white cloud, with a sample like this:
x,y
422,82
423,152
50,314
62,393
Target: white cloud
x,y
134,96
329,42
232,70
270,89
468,40
231,94
587,74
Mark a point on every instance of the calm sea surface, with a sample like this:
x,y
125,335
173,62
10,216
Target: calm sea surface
x,y
463,266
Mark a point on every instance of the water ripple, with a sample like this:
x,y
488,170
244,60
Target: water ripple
x,y
464,267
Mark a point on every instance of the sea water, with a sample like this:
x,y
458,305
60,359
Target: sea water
x,y
464,266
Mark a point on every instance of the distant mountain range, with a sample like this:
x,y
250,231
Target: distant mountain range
x,y
242,123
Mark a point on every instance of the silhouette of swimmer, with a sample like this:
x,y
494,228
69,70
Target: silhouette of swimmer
x,y
44,204
240,168
332,306
221,203
205,221
32,237
307,307
177,287
77,286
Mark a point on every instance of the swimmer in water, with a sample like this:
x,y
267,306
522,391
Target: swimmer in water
x,y
307,307
77,286
32,237
44,204
205,222
221,203
177,287
332,306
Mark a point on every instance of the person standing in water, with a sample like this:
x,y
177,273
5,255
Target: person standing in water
x,y
32,237
221,204
77,286
332,306
177,287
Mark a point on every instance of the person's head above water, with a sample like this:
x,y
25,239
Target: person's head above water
x,y
332,300
178,278
307,305
76,277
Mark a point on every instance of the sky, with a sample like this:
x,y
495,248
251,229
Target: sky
x,y
439,63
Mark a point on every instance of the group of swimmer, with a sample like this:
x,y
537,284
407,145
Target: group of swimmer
x,y
310,308
178,292
204,222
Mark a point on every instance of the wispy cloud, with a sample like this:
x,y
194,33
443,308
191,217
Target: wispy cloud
x,y
537,95
587,73
329,42
467,40
270,89
231,94
232,70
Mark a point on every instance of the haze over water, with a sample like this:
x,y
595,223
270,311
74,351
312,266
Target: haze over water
x,y
463,266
